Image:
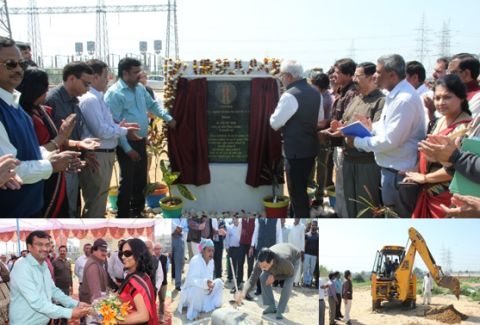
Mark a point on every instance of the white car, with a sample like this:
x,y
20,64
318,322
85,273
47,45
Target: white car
x,y
155,82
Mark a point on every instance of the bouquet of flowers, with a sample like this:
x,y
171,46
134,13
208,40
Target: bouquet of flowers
x,y
108,309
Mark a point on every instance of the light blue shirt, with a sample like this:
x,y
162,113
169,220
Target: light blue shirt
x,y
132,105
179,222
338,285
99,121
32,290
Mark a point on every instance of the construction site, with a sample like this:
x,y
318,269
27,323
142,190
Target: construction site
x,y
396,263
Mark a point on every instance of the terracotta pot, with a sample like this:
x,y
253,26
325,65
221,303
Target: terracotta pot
x,y
154,198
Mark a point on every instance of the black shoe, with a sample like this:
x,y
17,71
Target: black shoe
x,y
233,290
178,289
275,285
248,297
257,293
337,318
281,285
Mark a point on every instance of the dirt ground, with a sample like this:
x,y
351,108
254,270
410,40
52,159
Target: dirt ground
x,y
302,307
394,313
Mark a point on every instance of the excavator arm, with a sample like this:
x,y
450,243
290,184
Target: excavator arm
x,y
404,272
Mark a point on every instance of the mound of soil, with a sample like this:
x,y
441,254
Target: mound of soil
x,y
446,314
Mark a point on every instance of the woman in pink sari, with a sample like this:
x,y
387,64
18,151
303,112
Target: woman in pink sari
x,y
451,102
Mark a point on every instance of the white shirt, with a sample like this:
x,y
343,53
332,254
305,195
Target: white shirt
x,y
427,283
30,171
321,292
99,121
279,239
115,268
232,239
400,128
474,105
80,266
286,107
158,275
296,237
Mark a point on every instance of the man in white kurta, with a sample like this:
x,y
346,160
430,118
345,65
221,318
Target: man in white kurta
x,y
296,237
427,288
200,293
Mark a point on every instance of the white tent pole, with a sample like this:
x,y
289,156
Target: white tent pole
x,y
18,237
61,234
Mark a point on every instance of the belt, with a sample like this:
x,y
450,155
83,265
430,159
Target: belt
x,y
105,150
391,170
320,299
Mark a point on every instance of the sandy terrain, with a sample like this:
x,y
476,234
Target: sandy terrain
x,y
394,313
301,309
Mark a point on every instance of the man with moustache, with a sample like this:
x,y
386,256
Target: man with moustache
x,y
359,167
18,138
278,262
439,71
77,77
200,293
63,276
79,268
128,99
467,67
95,277
32,288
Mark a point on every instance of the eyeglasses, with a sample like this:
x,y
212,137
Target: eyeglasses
x,y
359,76
12,64
126,253
86,83
454,71
40,245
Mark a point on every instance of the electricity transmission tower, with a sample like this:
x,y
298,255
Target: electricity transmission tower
x,y
352,50
101,48
4,20
34,37
445,40
422,41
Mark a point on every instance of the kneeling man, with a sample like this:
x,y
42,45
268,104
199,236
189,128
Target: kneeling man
x,y
278,262
200,293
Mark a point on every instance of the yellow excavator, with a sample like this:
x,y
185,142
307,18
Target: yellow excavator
x,y
399,283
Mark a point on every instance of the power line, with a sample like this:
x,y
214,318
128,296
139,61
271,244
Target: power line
x,y
423,40
444,49
351,50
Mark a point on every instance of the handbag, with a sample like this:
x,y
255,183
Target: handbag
x,y
4,302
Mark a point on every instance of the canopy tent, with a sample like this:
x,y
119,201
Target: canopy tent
x,y
62,229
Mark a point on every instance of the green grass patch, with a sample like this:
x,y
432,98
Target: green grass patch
x,y
362,284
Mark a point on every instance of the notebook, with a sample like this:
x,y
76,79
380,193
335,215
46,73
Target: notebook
x,y
357,129
460,184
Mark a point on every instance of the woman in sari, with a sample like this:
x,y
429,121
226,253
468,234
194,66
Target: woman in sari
x,y
451,102
137,288
33,89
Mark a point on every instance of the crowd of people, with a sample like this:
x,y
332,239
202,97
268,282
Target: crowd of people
x,y
414,147
336,290
279,251
55,142
41,285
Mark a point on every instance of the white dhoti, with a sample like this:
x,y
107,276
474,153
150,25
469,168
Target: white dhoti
x,y
194,294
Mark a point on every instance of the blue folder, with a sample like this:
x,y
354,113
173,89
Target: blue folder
x,y
357,129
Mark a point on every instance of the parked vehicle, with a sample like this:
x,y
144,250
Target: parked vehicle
x,y
155,82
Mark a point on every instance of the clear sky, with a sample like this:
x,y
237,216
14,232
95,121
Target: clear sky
x,y
352,244
315,32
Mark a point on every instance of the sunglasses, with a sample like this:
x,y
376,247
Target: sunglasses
x,y
12,64
86,83
127,253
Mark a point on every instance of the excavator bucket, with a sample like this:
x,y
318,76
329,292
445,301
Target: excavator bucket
x,y
452,283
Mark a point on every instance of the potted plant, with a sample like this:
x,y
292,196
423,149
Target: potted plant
x,y
156,146
113,191
276,206
172,205
381,211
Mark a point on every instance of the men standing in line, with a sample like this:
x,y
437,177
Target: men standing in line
x,y
232,246
344,71
18,138
278,262
360,168
63,99
63,275
200,293
467,67
332,298
321,299
163,289
396,135
98,123
427,288
157,269
32,288
416,75
297,239
178,251
95,277
80,267
338,289
115,268
310,256
247,227
297,114
347,293
128,99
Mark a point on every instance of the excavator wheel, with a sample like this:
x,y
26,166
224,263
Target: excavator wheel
x,y
407,303
414,304
376,304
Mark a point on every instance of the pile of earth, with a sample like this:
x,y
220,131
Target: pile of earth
x,y
446,314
